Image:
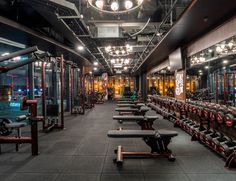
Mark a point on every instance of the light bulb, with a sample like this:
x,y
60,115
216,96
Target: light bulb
x,y
230,44
80,48
218,49
225,61
99,4
114,6
108,48
117,52
113,61
126,61
128,4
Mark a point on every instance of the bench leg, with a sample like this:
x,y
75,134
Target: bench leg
x,y
119,156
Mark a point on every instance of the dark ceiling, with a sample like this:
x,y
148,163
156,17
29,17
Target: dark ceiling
x,y
41,16
200,17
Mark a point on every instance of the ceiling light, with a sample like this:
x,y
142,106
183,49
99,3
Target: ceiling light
x,y
95,68
231,44
202,59
6,53
123,52
16,58
90,72
225,61
114,6
210,50
199,70
126,61
128,4
218,49
168,67
223,68
117,52
200,73
222,46
95,63
125,68
99,4
113,61
117,65
80,48
206,67
108,48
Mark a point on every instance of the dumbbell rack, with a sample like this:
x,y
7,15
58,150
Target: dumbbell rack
x,y
206,122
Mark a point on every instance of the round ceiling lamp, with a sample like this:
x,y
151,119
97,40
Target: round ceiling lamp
x,y
115,6
119,51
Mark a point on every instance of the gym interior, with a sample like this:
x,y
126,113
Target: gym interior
x,y
100,90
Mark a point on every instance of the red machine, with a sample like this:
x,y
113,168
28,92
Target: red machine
x,y
33,118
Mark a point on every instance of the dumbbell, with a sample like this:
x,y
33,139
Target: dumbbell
x,y
5,131
230,119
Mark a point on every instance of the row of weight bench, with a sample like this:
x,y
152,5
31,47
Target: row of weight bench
x,y
139,105
129,110
145,122
157,140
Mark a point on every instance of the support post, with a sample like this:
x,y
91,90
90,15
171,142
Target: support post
x,y
62,90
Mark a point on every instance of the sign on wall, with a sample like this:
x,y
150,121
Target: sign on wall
x,y
180,85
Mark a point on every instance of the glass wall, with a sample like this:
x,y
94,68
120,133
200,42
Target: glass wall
x,y
13,85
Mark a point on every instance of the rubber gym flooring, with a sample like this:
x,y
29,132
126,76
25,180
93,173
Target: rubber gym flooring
x,y
83,152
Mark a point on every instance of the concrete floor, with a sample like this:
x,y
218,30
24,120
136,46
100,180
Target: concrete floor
x,y
83,152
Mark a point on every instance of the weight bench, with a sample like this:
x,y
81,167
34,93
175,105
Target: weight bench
x,y
135,111
145,122
157,140
131,105
7,127
129,102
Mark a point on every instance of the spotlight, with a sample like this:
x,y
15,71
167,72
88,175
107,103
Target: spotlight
x,y
126,61
99,4
202,59
108,48
231,44
95,63
114,6
117,52
80,48
113,61
218,49
225,61
128,4
6,53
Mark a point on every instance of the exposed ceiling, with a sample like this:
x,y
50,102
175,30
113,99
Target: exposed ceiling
x,y
75,23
